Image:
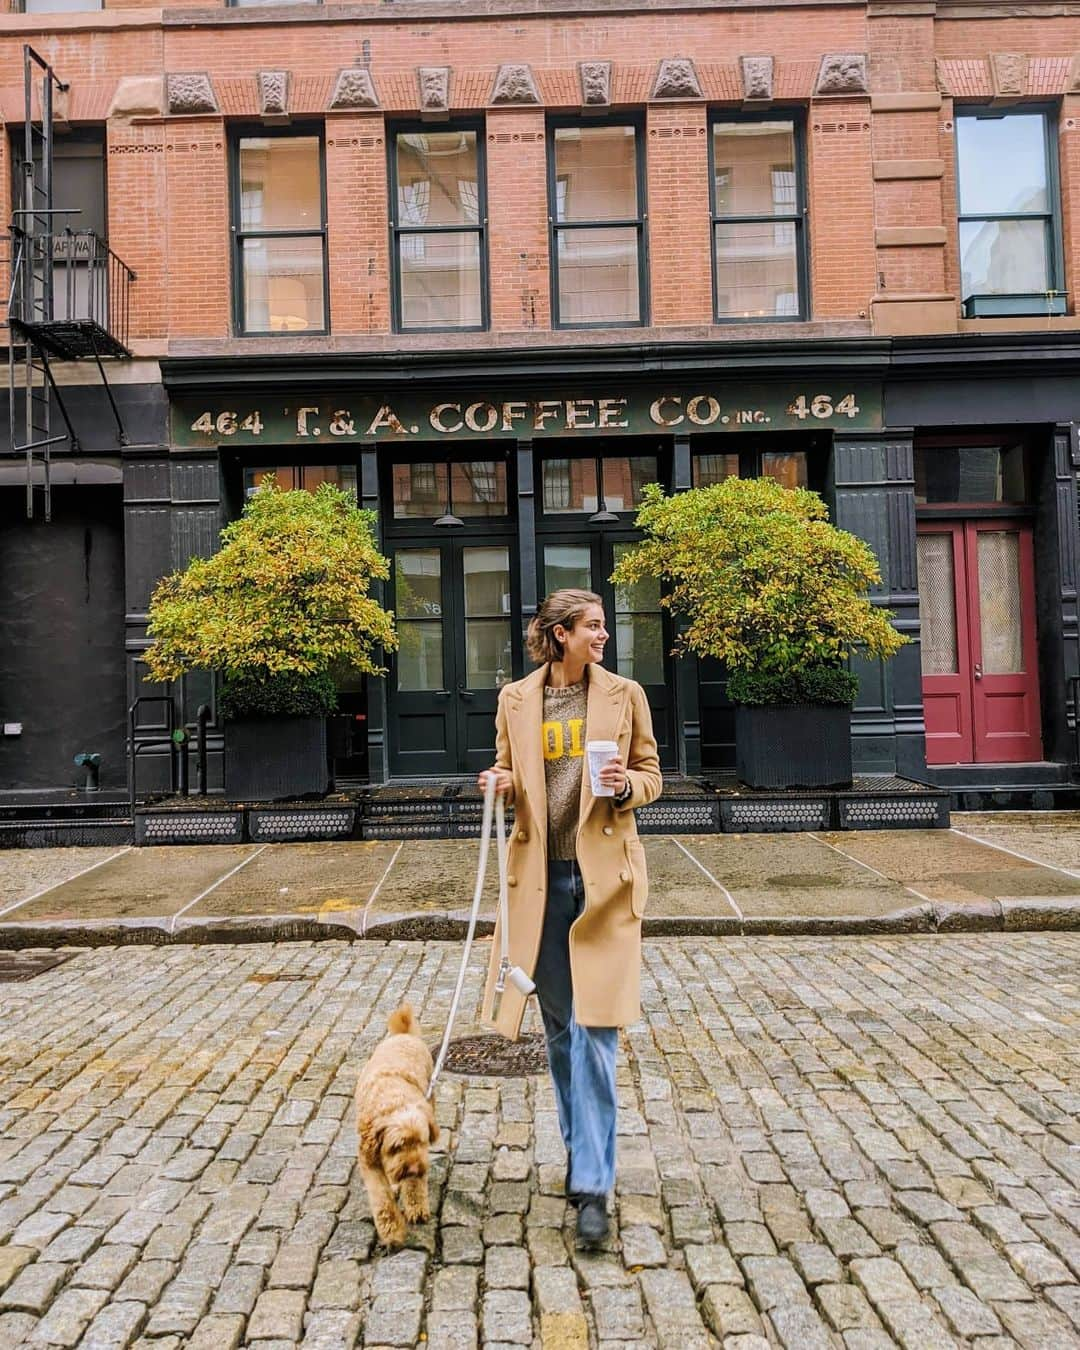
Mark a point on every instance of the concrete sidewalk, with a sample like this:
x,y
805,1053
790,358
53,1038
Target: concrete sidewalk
x,y
1003,871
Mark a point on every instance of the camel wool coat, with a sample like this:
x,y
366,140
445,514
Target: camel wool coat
x,y
605,939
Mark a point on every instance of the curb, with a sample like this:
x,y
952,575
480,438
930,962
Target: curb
x,y
1015,914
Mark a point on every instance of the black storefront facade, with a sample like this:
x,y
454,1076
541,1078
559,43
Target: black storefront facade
x,y
497,475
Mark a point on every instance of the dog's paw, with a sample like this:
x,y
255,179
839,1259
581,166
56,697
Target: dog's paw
x,y
390,1226
416,1211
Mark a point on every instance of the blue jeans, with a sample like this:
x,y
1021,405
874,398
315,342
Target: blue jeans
x,y
582,1059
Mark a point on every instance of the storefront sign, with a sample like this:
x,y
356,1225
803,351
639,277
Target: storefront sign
x,y
266,420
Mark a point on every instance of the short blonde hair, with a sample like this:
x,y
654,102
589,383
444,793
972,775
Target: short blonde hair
x,y
560,607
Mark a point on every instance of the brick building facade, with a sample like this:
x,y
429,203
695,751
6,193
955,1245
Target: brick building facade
x,y
496,268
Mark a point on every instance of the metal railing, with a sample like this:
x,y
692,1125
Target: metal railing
x,y
90,284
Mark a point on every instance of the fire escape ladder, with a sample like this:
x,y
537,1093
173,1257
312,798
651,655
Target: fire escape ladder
x,y
69,296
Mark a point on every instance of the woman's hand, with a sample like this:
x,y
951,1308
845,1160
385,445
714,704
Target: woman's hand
x,y
504,781
613,775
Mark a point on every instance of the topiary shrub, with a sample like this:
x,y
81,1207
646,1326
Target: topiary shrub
x,y
765,584
282,610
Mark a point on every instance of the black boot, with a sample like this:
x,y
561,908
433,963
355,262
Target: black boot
x,y
592,1220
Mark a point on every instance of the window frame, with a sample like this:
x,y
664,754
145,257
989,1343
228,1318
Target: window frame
x,y
1055,250
397,229
637,121
799,217
256,131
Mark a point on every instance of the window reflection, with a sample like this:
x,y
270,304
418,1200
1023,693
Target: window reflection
x,y
972,474
569,485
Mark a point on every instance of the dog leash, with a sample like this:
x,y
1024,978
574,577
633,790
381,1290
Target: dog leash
x,y
494,814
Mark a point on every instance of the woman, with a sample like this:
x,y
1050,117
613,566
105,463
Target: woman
x,y
576,875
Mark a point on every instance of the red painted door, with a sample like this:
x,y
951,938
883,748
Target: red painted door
x,y
980,677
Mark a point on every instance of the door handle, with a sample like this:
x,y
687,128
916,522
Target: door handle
x,y
978,671
440,693
465,693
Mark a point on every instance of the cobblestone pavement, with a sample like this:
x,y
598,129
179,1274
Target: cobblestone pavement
x,y
850,1142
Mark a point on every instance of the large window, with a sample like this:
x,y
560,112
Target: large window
x,y
1009,214
279,216
438,218
597,215
758,220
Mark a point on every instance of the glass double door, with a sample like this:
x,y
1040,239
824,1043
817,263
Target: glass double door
x,y
455,602
638,646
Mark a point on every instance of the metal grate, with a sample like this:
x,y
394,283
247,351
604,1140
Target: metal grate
x,y
895,813
496,1057
775,815
287,825
213,827
685,816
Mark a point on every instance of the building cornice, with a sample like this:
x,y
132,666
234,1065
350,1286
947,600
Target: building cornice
x,y
977,356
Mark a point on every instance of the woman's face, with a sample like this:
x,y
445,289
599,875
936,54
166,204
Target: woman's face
x,y
584,642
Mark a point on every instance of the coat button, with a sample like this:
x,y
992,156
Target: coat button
x,y
523,835
624,876
511,881
608,829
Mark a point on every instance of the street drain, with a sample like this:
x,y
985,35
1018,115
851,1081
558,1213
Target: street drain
x,y
496,1057
24,965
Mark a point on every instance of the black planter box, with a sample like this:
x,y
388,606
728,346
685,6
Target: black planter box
x,y
808,746
271,759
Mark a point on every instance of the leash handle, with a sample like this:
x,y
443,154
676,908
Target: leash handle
x,y
481,871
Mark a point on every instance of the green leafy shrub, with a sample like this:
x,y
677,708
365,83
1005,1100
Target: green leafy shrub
x,y
765,584
282,610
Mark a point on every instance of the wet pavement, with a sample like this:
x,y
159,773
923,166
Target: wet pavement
x,y
823,1144
1001,871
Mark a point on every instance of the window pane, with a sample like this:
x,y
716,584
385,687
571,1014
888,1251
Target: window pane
x,y
59,6
598,276
569,485
279,183
999,602
283,285
419,491
937,604
437,182
487,581
567,565
756,270
419,659
1003,256
488,660
440,280
640,597
639,647
712,469
285,477
973,474
624,479
1002,164
418,583
340,475
754,169
478,488
788,470
595,173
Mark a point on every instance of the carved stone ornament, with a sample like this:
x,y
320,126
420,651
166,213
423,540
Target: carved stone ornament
x,y
941,78
274,93
595,83
354,89
137,96
676,78
189,94
434,84
757,78
843,73
1073,84
1010,74
515,84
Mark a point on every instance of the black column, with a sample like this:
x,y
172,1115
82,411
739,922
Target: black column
x,y
872,490
1057,567
687,699
526,534
378,759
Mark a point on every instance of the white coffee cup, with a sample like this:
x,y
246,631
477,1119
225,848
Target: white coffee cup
x,y
599,753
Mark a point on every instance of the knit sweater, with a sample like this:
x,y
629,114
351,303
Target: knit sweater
x,y
563,743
